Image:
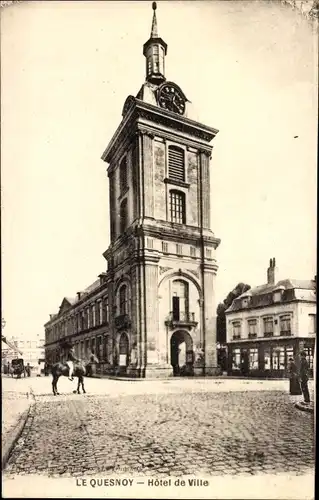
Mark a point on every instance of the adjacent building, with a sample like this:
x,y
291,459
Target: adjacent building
x,y
152,313
30,350
269,324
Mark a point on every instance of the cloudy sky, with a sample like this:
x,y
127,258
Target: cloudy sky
x,y
249,68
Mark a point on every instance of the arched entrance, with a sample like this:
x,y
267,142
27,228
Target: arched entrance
x,y
182,355
123,352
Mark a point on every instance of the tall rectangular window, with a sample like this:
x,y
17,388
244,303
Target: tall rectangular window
x,y
312,323
268,327
236,326
176,163
179,249
252,328
192,251
123,176
164,247
236,359
278,358
253,359
267,359
93,315
285,325
177,207
101,312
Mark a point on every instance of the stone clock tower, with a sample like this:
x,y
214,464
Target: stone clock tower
x,y
161,258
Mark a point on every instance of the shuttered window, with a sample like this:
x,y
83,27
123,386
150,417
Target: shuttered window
x,y
123,176
176,163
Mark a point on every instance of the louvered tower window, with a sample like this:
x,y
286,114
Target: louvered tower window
x,y
123,176
176,163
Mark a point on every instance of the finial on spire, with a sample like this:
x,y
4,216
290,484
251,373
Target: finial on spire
x,y
154,33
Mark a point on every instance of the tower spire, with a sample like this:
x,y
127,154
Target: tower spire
x,y
155,50
154,31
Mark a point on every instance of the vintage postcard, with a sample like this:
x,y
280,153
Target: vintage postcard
x,y
158,189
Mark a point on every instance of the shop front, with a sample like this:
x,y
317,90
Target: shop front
x,y
267,359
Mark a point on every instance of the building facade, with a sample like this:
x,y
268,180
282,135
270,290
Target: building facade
x,y
269,324
153,312
31,351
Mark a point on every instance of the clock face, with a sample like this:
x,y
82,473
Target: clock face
x,y
170,98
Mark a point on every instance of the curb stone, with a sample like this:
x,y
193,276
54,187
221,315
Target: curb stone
x,y
15,433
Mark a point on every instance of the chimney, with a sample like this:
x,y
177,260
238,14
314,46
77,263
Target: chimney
x,y
271,272
79,295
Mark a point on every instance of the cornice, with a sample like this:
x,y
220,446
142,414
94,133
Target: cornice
x,y
140,110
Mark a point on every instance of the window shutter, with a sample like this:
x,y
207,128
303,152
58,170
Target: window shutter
x,y
176,167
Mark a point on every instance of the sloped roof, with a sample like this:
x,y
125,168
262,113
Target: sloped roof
x,y
262,294
288,284
93,286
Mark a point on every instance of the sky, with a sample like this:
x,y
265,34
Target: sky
x,y
250,70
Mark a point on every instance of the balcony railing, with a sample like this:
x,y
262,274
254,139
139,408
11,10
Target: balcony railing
x,y
252,335
236,337
182,319
268,334
286,333
122,321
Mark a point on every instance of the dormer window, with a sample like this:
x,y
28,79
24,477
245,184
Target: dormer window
x,y
245,300
277,294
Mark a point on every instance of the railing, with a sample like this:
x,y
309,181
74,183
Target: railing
x,y
236,337
252,335
286,333
122,321
183,318
268,334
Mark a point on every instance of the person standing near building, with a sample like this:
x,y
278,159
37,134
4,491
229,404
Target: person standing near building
x,y
294,385
303,373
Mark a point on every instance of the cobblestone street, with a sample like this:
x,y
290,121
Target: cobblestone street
x,y
179,427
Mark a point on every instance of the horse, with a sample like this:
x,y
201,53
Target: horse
x,y
80,370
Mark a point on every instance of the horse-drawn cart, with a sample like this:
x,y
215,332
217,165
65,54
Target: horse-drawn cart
x,y
17,367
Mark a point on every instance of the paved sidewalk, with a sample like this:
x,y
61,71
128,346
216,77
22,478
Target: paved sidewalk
x,y
15,406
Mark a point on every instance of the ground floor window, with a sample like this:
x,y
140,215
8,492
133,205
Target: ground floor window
x,y
278,358
309,356
99,350
253,359
236,359
267,359
106,348
93,348
87,347
82,349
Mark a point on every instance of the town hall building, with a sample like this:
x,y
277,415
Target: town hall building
x,y
152,313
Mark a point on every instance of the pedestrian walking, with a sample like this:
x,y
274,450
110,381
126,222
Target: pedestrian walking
x,y
294,384
303,373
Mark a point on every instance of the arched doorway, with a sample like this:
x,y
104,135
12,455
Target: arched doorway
x,y
182,355
123,352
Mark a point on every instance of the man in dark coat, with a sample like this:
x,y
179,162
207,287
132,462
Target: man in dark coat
x,y
303,373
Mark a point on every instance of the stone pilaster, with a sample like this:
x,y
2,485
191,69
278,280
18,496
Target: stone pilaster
x,y
111,297
151,313
148,174
209,327
205,188
135,176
